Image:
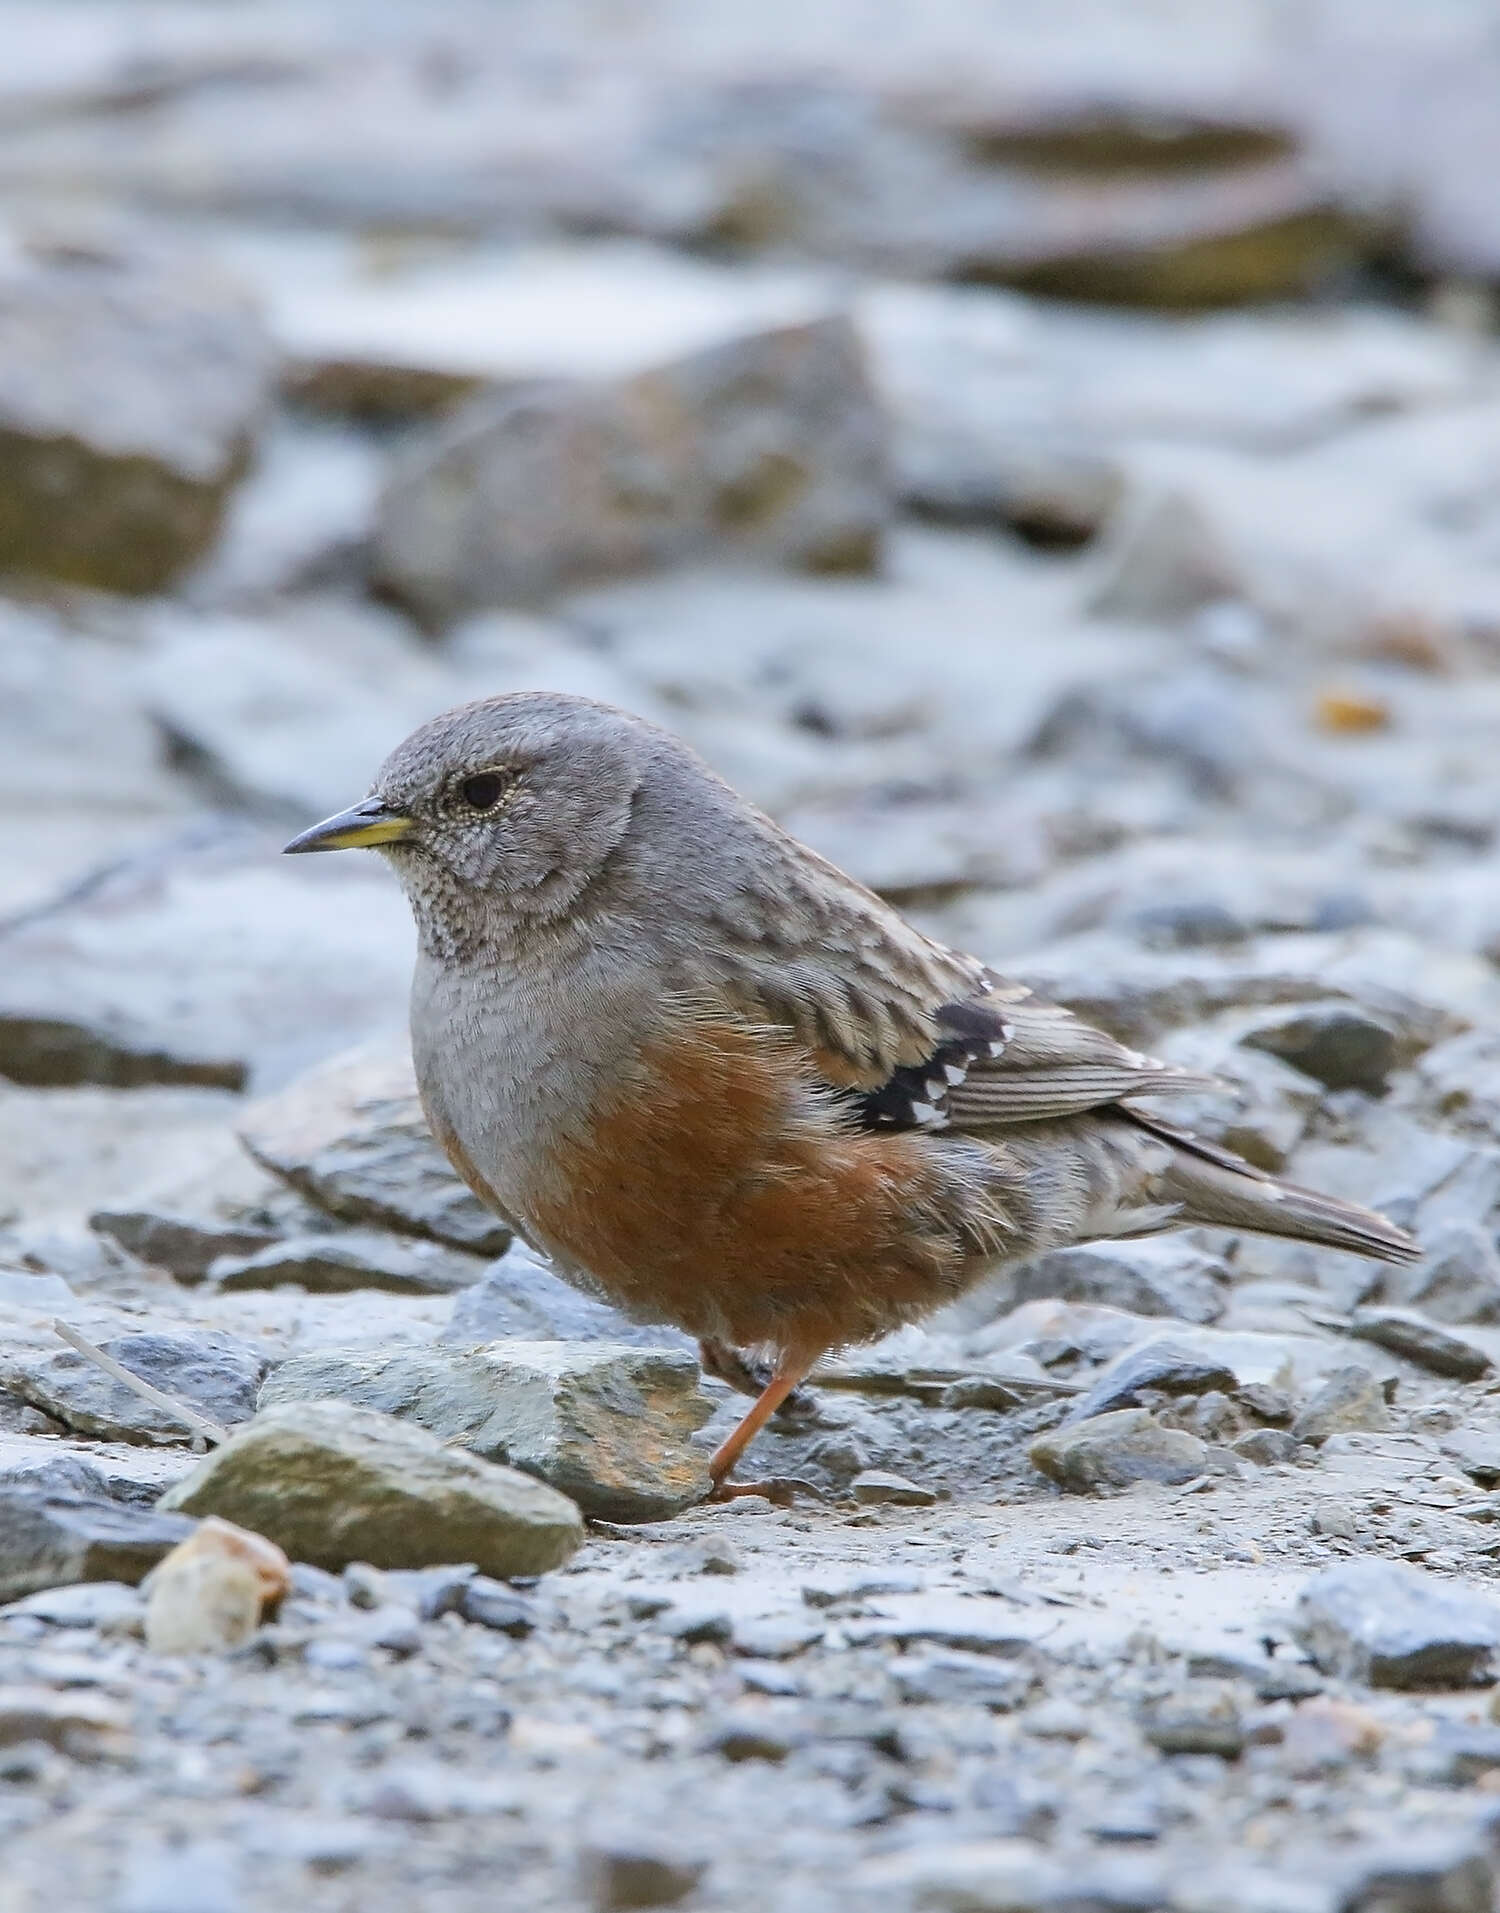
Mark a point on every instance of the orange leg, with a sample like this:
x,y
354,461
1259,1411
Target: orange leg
x,y
789,1371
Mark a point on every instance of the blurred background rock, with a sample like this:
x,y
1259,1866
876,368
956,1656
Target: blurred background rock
x,y
1047,457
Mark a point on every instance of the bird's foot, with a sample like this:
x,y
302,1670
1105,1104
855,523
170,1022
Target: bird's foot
x,y
780,1490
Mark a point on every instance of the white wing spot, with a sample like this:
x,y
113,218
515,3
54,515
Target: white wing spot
x,y
955,1072
924,1113
997,1048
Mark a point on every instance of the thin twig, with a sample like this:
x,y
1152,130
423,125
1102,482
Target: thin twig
x,y
189,1417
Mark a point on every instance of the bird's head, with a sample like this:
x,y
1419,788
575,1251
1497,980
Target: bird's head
x,y
501,811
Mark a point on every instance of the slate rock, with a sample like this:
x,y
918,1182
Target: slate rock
x,y
1457,1280
622,1870
351,1137
1405,1332
129,391
1160,1365
1017,1875
81,1724
204,960
31,1289
111,1606
405,344
125,1472
1459,1753
876,1487
1114,1450
331,1483
521,1298
1198,1718
1391,1625
213,1372
339,1264
1423,1870
50,1539
489,1603
1162,559
1351,1400
1477,1452
775,1637
1265,1447
1157,1277
285,716
609,1426
770,447
1268,1677
184,1245
1267,1403
964,1680
1341,1044
56,1052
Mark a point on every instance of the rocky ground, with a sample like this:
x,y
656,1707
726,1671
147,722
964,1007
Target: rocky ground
x,y
356,362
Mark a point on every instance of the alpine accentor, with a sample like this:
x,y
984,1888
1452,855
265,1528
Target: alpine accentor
x,y
721,1083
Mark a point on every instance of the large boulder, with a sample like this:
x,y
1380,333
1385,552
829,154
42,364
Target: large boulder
x,y
331,1484
129,391
769,448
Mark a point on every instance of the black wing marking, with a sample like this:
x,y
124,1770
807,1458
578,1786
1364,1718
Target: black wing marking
x,y
1011,1057
918,1096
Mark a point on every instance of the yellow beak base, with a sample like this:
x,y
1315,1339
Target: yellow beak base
x,y
361,827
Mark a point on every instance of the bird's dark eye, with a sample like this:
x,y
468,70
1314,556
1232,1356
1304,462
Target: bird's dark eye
x,y
484,791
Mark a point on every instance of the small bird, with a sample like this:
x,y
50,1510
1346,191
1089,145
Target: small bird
x,y
723,1085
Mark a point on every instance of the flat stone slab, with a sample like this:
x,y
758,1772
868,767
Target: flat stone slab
x,y
332,1483
521,1298
51,1540
1171,1368
607,1425
351,1137
1427,1343
1394,1626
208,960
338,1264
210,1371
184,1245
122,1471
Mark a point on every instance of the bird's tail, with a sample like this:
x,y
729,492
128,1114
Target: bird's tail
x,y
1215,1187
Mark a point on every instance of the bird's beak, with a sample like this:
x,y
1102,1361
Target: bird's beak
x,y
360,827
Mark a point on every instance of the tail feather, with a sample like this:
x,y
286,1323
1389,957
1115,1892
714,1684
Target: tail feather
x,y
1212,1186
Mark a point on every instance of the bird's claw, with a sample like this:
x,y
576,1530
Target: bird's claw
x,y
780,1490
